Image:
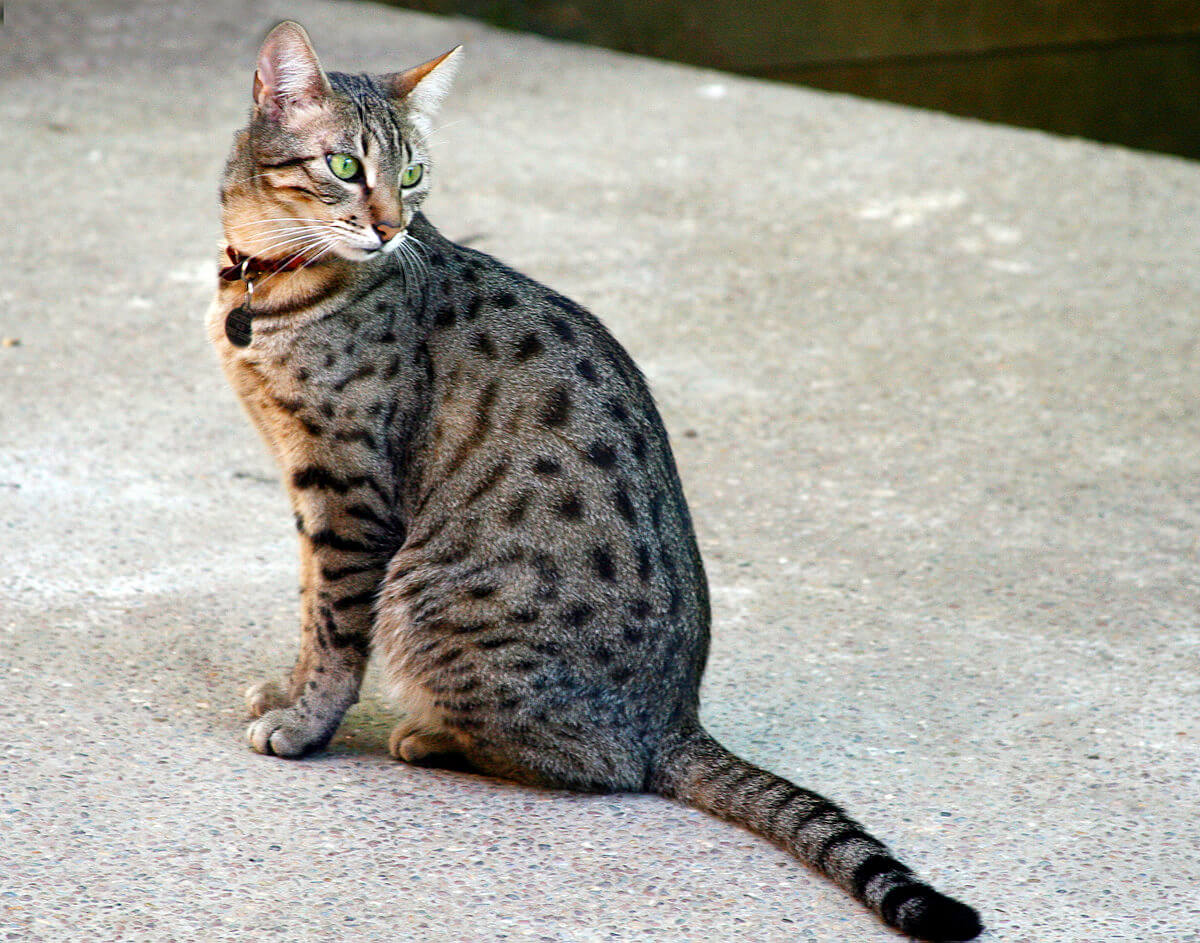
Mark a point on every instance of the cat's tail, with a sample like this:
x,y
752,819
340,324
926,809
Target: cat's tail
x,y
698,771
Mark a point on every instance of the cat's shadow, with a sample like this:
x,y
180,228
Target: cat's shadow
x,y
367,727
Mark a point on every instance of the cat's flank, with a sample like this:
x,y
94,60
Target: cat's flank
x,y
483,489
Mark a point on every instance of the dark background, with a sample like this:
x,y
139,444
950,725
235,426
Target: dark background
x,y
1123,71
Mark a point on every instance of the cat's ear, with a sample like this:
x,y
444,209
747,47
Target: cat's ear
x,y
424,87
288,75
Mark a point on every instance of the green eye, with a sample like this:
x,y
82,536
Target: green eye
x,y
344,166
412,175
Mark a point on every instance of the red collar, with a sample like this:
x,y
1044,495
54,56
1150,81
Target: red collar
x,y
246,267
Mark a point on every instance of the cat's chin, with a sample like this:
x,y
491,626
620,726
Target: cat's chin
x,y
356,254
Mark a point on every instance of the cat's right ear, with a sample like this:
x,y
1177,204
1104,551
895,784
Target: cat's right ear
x,y
288,74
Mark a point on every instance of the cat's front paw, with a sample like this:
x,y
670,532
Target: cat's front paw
x,y
266,696
287,732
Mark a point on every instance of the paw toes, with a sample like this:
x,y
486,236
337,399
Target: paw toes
x,y
275,734
412,747
400,733
265,696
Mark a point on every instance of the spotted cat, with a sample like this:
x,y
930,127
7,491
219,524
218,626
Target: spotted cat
x,y
483,489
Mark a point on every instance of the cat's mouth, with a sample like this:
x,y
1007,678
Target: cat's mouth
x,y
383,246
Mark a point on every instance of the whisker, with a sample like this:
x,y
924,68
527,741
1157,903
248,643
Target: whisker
x,y
279,219
284,240
275,241
449,124
327,242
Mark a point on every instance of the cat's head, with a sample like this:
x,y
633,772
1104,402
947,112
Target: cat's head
x,y
330,164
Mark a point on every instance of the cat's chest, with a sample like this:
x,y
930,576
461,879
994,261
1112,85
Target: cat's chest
x,y
322,400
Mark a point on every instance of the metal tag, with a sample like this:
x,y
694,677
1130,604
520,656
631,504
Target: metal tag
x,y
238,326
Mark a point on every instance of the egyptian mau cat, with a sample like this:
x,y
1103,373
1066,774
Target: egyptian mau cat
x,y
482,486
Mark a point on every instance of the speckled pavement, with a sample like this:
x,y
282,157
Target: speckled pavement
x,y
933,388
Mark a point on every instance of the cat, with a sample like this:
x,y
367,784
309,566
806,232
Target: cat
x,y
483,488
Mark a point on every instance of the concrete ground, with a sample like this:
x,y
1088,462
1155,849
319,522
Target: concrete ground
x,y
933,388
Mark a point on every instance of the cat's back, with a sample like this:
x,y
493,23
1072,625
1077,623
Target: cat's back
x,y
537,405
551,533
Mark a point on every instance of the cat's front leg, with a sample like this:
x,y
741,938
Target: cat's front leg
x,y
339,583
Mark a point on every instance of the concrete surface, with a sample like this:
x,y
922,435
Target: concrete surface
x,y
933,389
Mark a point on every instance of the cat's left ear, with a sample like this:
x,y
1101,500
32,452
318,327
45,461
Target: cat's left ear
x,y
424,87
288,74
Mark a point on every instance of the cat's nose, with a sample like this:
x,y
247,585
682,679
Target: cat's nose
x,y
385,231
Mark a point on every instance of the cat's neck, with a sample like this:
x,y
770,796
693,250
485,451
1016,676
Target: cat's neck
x,y
301,293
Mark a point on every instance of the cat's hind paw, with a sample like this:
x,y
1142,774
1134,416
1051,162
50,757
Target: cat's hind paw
x,y
266,696
411,745
288,733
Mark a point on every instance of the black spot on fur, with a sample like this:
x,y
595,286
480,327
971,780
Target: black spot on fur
x,y
444,316
639,445
547,575
528,346
321,479
506,299
546,466
576,616
625,507
566,304
601,454
644,566
641,608
516,512
616,409
473,307
482,342
493,478
557,409
656,511
571,507
587,370
362,373
562,329
524,616
632,634
497,641
602,560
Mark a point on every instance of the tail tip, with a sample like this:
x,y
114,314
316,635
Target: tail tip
x,y
935,917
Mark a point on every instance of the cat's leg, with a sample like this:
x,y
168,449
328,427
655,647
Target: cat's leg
x,y
338,587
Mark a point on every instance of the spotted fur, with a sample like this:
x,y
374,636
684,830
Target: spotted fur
x,y
484,492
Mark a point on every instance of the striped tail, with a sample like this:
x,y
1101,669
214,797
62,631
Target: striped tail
x,y
701,773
